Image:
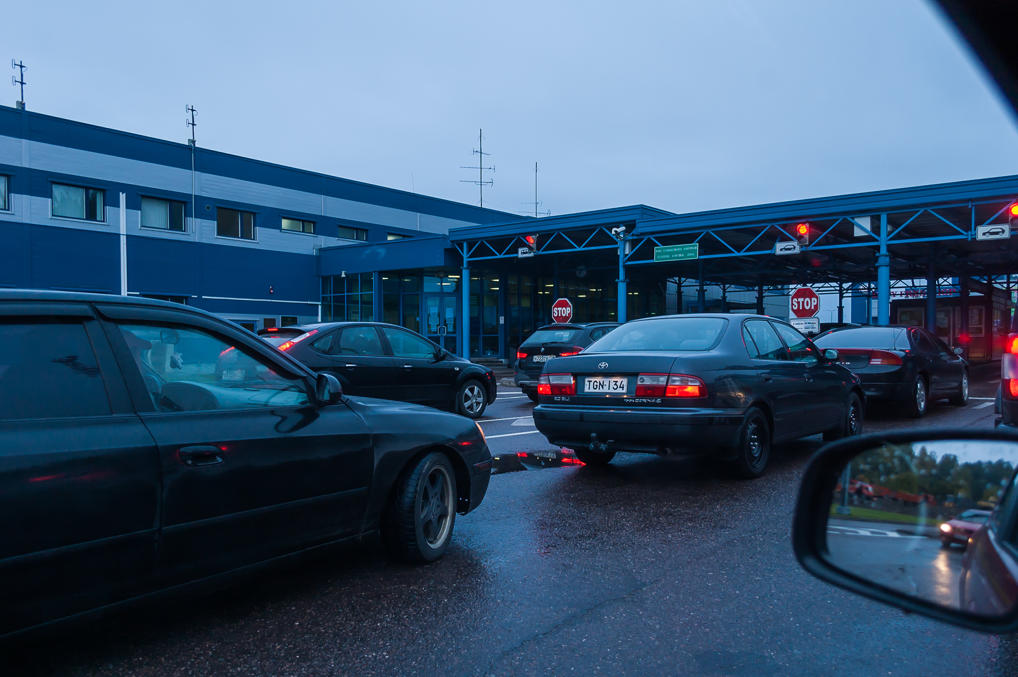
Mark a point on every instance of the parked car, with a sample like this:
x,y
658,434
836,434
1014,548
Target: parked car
x,y
1007,392
958,530
553,340
907,366
385,360
131,463
728,385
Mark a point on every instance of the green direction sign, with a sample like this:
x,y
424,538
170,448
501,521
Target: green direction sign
x,y
677,252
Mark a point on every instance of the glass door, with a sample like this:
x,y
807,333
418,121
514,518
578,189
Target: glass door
x,y
439,319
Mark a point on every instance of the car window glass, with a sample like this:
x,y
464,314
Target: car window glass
x,y
405,344
552,336
49,370
663,334
768,345
358,341
941,346
799,348
922,342
1003,518
187,369
751,348
597,333
323,344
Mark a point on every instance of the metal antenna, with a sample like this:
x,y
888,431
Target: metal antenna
x,y
19,80
479,152
537,203
191,110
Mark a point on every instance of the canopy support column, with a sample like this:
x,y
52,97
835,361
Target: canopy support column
x,y
883,277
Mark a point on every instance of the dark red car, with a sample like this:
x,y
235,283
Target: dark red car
x,y
958,530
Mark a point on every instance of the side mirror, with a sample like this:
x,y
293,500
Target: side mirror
x,y
959,351
327,389
917,520
830,354
439,355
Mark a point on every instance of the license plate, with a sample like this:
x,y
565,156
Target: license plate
x,y
542,358
606,384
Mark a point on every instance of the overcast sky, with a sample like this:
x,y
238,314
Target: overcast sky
x,y
683,105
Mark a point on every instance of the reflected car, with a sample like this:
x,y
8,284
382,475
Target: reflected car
x,y
553,340
1007,393
729,386
957,531
388,361
135,462
906,366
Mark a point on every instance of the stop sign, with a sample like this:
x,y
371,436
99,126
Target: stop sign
x,y
804,302
562,310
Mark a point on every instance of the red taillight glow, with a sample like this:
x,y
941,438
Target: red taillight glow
x,y
521,355
556,384
575,350
1014,210
680,385
651,385
226,351
271,329
884,358
964,339
1012,344
1012,387
297,339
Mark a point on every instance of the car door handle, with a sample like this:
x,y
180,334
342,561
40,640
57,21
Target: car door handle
x,y
766,378
809,378
349,366
199,455
408,366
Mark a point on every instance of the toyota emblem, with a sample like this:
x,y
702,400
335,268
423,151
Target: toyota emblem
x,y
602,365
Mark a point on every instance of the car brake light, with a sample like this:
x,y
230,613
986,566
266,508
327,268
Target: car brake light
x,y
651,385
681,385
575,350
521,355
1012,344
297,339
1012,387
882,357
556,384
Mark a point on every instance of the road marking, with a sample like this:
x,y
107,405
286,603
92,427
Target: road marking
x,y
854,531
511,418
510,397
987,399
983,405
526,420
495,437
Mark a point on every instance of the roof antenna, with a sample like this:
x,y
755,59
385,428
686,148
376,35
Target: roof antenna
x,y
19,80
191,110
479,181
537,203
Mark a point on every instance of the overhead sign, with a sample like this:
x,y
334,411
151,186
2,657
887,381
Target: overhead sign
x,y
677,252
807,325
785,247
562,310
803,302
993,231
524,252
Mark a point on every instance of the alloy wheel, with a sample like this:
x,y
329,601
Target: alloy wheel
x,y
473,399
436,507
920,395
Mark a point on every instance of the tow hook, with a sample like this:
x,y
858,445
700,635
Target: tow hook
x,y
595,445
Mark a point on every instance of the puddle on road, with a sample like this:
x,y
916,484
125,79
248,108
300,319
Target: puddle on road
x,y
534,460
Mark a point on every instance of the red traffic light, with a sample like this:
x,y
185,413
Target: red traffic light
x,y
531,241
1014,209
802,229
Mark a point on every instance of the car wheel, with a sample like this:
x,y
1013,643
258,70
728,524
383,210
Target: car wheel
x,y
945,544
919,399
754,445
852,424
961,398
471,400
419,519
594,459
532,395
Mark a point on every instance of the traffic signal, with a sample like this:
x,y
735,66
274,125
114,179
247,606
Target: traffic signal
x,y
802,232
531,241
1012,216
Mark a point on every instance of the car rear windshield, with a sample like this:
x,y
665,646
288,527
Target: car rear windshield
x,y
552,336
665,334
879,338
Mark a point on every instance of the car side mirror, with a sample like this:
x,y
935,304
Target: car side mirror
x,y
439,355
328,389
830,354
959,351
905,518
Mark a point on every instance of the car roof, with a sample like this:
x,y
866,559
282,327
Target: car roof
x,y
576,325
47,296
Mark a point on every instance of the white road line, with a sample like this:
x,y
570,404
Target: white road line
x,y
511,418
983,405
510,397
495,437
988,399
529,420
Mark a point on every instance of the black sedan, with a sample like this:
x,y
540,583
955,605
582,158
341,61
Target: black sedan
x,y
135,459
907,366
725,385
385,360
553,340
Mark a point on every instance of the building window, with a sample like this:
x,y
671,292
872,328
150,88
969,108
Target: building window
x,y
299,226
396,236
288,320
351,233
78,202
5,200
233,223
352,298
162,214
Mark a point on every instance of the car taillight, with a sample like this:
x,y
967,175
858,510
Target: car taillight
x,y
296,339
521,355
681,385
882,357
1012,344
575,350
556,384
1012,388
651,385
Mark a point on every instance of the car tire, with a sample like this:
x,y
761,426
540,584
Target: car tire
x,y
946,545
418,522
753,446
471,399
852,423
961,398
919,397
594,459
532,395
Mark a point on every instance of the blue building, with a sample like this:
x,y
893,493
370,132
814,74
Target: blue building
x,y
87,208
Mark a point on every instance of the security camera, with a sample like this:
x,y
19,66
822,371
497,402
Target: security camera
x,y
618,231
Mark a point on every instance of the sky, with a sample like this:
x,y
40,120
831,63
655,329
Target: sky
x,y
682,105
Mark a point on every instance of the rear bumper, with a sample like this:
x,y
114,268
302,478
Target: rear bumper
x,y
656,430
888,386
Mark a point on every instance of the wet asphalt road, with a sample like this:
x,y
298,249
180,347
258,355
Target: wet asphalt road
x,y
651,566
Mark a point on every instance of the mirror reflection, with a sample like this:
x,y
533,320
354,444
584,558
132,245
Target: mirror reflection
x,y
935,520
